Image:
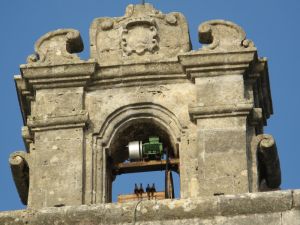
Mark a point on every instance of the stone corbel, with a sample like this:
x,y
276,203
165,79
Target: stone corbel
x,y
258,80
268,163
57,47
20,165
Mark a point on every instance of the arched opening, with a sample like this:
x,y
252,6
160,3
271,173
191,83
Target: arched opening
x,y
139,130
123,172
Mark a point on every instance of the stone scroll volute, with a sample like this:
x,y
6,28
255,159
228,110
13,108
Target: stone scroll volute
x,y
223,35
57,47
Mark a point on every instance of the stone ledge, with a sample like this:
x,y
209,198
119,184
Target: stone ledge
x,y
296,199
237,208
197,64
200,112
58,76
52,122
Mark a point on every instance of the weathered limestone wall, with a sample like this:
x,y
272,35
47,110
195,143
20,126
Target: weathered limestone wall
x,y
221,136
272,208
222,156
58,102
59,154
58,150
150,99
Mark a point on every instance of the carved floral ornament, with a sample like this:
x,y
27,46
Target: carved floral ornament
x,y
139,36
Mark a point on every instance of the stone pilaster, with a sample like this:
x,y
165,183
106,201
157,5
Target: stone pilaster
x,y
55,119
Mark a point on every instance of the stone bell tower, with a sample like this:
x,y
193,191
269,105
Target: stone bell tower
x,y
208,106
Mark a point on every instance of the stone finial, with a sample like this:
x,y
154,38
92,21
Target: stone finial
x,y
57,47
222,35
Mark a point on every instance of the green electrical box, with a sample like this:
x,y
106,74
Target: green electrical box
x,y
153,150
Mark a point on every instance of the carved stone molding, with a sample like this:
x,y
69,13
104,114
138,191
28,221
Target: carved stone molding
x,y
209,63
57,47
57,122
201,112
139,110
137,74
54,76
25,95
222,35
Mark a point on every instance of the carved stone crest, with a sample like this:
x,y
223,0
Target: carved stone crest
x,y
139,36
143,34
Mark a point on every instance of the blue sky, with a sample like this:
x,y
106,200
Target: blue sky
x,y
273,25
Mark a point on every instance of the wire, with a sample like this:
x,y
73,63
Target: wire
x,y
134,214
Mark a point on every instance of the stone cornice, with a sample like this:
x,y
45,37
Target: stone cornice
x,y
205,63
137,73
55,122
25,95
190,65
58,76
201,112
258,78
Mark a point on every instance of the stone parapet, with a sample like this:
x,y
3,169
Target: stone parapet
x,y
273,208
